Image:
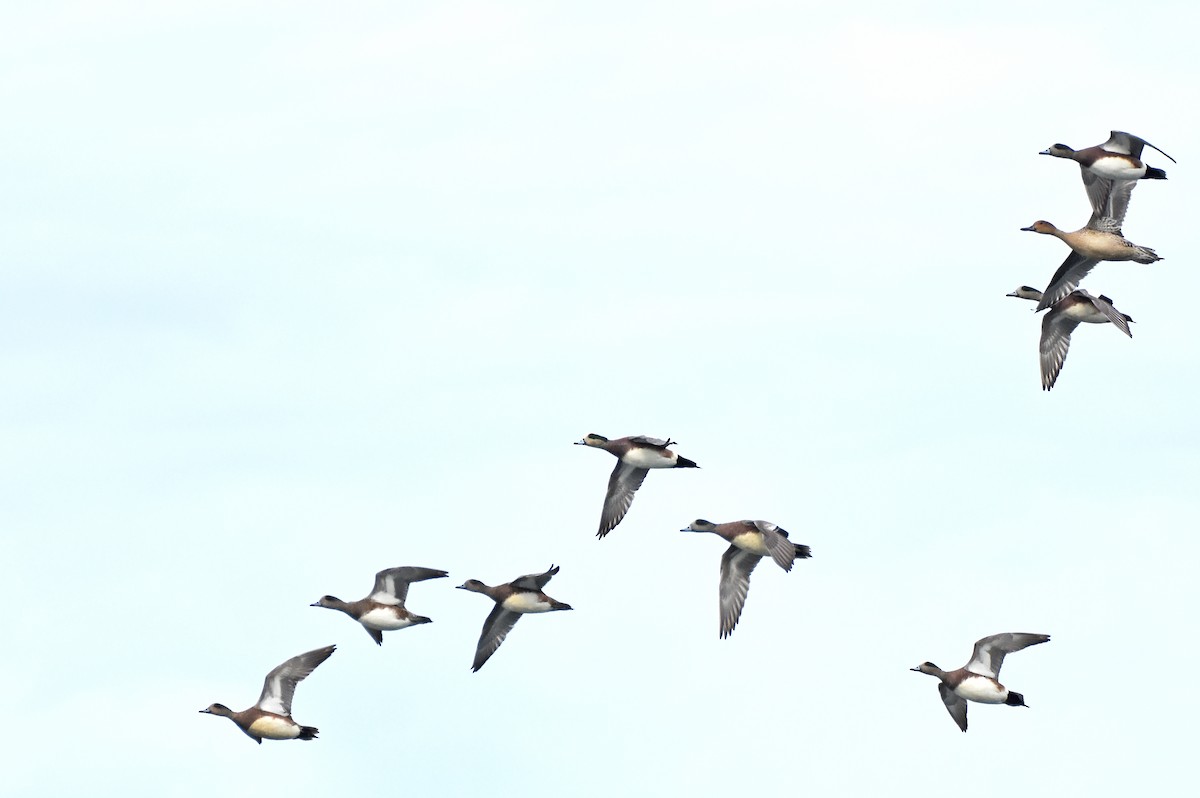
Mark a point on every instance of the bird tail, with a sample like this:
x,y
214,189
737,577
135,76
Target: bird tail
x,y
1154,174
683,462
1015,700
802,552
308,732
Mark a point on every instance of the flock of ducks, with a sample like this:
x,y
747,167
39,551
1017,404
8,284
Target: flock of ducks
x,y
1110,171
384,610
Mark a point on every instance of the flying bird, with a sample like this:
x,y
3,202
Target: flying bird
x,y
978,680
749,541
513,599
1064,316
384,609
635,457
271,717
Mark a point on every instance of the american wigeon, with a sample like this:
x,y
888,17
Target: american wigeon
x,y
1119,158
384,609
1064,316
635,455
513,599
750,541
271,717
977,680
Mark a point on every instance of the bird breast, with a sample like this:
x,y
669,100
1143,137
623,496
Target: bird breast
x,y
982,689
526,602
272,728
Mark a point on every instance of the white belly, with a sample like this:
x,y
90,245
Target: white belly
x,y
383,620
648,458
526,602
272,728
1117,169
982,690
751,542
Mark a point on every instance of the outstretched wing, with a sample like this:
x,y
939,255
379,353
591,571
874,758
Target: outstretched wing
x,y
280,684
736,567
535,581
497,626
1119,141
1066,279
622,484
391,585
957,707
1053,346
989,652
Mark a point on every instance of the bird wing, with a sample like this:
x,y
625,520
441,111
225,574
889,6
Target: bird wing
x,y
648,439
623,483
1110,201
1119,141
782,550
1067,278
535,581
391,585
497,626
989,652
956,706
1105,306
280,684
1056,340
736,567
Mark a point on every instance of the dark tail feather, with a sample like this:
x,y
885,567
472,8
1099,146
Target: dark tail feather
x,y
683,462
1154,174
1015,700
802,552
308,732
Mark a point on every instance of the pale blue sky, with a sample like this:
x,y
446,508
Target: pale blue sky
x,y
292,293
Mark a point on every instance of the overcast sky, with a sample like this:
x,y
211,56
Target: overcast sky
x,y
293,292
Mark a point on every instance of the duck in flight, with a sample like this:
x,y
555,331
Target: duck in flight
x,y
513,599
978,680
749,542
384,609
271,717
1065,315
635,455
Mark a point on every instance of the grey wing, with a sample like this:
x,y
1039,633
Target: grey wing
x,y
1110,201
957,707
989,652
1055,341
497,626
1097,188
736,567
648,439
622,484
1066,279
391,585
1130,144
280,684
1125,143
1105,306
783,552
535,581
